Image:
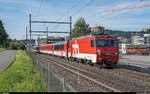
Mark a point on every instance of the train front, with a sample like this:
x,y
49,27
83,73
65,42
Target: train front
x,y
107,51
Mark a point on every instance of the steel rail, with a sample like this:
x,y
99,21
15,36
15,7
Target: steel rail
x,y
86,77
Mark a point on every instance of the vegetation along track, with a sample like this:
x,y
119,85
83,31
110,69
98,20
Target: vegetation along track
x,y
121,79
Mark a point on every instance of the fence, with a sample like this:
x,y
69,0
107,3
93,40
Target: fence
x,y
55,83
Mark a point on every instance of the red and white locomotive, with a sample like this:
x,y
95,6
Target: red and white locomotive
x,y
93,49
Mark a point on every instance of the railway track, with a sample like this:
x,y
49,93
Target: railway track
x,y
81,73
110,77
141,76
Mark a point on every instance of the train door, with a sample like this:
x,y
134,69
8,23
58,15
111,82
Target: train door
x,y
52,49
66,49
71,54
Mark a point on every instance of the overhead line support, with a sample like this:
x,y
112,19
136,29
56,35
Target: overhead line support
x,y
49,32
50,22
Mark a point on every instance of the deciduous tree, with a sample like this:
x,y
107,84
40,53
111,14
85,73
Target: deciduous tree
x,y
3,34
81,28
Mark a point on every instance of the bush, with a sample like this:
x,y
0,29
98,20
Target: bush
x,y
12,45
136,47
17,46
22,47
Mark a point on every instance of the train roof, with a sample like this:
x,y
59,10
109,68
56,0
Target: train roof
x,y
92,36
59,43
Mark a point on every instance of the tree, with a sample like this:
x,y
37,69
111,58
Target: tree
x,y
129,40
3,34
22,47
148,30
12,45
81,28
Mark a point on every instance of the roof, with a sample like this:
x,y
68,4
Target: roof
x,y
59,43
89,36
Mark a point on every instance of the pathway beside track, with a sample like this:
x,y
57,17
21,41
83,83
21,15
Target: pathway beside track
x,y
136,60
6,58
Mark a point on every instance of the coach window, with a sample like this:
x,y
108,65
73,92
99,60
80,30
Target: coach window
x,y
61,47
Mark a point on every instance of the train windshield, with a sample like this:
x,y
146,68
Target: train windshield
x,y
104,43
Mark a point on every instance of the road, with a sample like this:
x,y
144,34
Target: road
x,y
6,58
140,60
135,62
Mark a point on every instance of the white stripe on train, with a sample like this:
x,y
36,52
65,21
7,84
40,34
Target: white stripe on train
x,y
91,57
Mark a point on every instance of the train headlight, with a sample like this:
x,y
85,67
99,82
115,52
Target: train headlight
x,y
116,53
98,52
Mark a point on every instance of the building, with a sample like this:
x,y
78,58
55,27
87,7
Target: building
x,y
137,40
98,29
147,39
123,47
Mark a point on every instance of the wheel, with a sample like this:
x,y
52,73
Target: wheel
x,y
92,64
85,61
82,61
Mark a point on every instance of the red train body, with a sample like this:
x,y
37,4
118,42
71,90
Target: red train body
x,y
90,49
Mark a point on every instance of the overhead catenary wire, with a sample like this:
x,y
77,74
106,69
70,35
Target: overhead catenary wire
x,y
39,9
80,9
103,18
67,12
101,11
129,7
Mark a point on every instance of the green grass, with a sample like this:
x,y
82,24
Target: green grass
x,y
2,49
21,77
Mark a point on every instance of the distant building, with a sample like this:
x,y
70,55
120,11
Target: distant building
x,y
147,39
137,40
123,47
98,30
123,39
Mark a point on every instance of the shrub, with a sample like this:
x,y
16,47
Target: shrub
x,y
17,46
136,47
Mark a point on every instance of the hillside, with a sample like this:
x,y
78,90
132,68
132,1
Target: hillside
x,y
118,33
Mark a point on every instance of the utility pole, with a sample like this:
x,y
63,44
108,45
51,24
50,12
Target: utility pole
x,y
47,35
26,37
30,29
70,27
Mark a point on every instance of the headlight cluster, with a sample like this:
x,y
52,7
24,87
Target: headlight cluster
x,y
116,53
98,52
109,53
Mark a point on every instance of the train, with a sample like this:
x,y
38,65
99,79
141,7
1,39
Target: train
x,y
101,50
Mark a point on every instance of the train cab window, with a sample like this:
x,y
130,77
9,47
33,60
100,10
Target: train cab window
x,y
104,43
92,43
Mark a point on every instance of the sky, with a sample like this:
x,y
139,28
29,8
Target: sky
x,y
15,15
